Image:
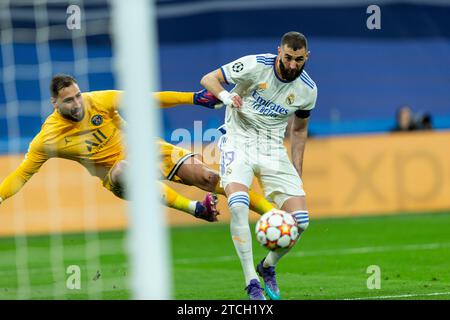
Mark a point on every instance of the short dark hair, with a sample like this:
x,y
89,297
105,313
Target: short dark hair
x,y
294,40
60,81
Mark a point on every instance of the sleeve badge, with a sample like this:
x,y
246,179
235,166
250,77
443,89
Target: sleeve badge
x,y
238,67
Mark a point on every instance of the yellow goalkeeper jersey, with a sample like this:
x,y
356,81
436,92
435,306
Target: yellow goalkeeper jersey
x,y
96,142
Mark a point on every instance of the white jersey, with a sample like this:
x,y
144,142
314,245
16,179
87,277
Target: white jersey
x,y
267,100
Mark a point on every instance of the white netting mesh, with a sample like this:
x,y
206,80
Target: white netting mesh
x,y
55,226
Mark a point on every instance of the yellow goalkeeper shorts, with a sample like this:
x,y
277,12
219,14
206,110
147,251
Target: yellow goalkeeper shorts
x,y
171,159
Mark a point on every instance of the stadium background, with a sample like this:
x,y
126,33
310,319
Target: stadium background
x,y
364,75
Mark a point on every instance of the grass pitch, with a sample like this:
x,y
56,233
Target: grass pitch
x,y
331,261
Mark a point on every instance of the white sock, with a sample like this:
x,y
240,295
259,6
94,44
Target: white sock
x,y
192,206
273,257
238,203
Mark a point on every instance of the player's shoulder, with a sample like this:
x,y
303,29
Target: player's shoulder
x,y
306,81
99,93
50,122
101,100
51,127
96,97
254,61
263,61
44,135
266,59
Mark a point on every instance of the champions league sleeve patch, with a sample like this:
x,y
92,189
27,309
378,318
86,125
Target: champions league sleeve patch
x,y
238,67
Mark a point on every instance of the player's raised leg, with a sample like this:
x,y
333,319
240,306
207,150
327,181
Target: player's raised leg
x,y
195,172
258,203
205,210
266,268
238,203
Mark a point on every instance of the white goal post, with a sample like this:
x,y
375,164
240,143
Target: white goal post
x,y
134,30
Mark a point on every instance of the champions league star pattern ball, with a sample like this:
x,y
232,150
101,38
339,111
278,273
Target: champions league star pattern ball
x,y
277,229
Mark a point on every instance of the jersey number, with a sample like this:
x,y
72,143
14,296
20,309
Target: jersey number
x,y
99,138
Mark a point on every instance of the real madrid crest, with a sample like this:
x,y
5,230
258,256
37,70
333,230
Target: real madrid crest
x,y
263,86
290,99
97,120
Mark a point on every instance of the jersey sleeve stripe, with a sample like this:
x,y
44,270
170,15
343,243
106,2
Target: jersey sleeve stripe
x,y
308,83
307,80
224,75
265,60
308,77
266,63
177,166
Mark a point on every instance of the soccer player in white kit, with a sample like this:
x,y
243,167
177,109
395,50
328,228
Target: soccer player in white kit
x,y
268,90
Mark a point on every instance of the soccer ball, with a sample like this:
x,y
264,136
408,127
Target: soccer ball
x,y
277,229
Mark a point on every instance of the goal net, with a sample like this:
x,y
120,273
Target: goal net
x,y
63,236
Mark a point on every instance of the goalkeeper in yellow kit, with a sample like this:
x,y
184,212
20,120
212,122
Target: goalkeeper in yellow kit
x,y
87,128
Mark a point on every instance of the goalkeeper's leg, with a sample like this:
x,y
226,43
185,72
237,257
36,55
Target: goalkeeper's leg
x,y
195,172
205,210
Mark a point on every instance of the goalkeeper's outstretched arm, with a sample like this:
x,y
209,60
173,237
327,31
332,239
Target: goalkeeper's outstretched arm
x,y
111,99
16,180
169,99
204,98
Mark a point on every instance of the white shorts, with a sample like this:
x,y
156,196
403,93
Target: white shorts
x,y
241,162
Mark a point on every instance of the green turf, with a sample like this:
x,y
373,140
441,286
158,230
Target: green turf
x,y
330,262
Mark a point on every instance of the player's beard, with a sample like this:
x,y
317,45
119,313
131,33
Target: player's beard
x,y
75,114
289,74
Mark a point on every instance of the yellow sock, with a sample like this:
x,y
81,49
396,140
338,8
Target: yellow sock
x,y
219,190
258,203
173,199
172,98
